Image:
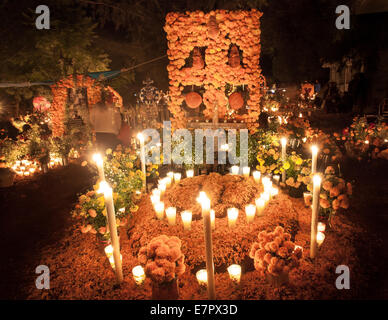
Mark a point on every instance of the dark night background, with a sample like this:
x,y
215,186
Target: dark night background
x,y
86,35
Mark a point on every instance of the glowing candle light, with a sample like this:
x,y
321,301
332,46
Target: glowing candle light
x,y
186,219
108,251
284,146
235,170
232,217
111,217
314,219
154,198
162,188
250,211
266,197
205,204
159,210
246,171
202,277
177,177
100,165
168,181
138,275
314,152
213,219
234,271
189,173
170,175
307,197
260,205
321,227
256,176
274,192
142,159
171,215
320,238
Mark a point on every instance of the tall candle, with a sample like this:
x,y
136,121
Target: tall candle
x,y
171,215
205,204
256,176
189,173
314,218
100,165
284,146
159,209
213,219
232,217
111,217
177,177
235,170
142,159
314,152
246,171
250,211
138,275
235,273
186,219
260,204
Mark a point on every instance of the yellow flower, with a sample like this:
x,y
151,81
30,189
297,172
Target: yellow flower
x,y
108,151
104,212
271,152
134,209
276,156
299,161
272,167
130,165
82,199
101,201
286,165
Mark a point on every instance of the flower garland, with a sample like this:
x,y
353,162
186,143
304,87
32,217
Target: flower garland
x,y
217,31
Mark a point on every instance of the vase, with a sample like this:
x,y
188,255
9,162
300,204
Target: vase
x,y
277,281
165,291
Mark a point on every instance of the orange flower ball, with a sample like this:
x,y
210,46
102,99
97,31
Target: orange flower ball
x,y
236,101
193,100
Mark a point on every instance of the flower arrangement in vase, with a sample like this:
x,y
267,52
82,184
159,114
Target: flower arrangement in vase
x,y
275,255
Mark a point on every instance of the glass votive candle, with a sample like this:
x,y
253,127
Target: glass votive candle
x,y
162,188
168,181
112,260
232,217
235,170
171,215
159,209
246,171
177,177
190,173
170,175
138,275
307,197
202,277
274,192
265,196
250,211
256,176
154,198
260,205
186,219
108,251
320,238
234,271
321,227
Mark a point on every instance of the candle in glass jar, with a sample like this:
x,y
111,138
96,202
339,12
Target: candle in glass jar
x,y
320,238
235,170
232,217
260,204
250,211
274,192
171,215
321,227
177,177
189,173
235,273
265,196
159,209
108,251
168,181
186,219
256,176
246,171
138,275
162,188
154,198
170,175
202,277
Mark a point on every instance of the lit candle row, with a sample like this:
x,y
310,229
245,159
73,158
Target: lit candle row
x,y
234,271
25,167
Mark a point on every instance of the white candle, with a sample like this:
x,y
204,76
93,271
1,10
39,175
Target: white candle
x,y
108,251
177,177
213,219
189,173
154,198
111,217
142,159
314,152
260,204
162,188
167,181
186,219
235,273
250,211
235,170
256,176
138,275
202,277
170,175
171,215
205,204
246,171
321,227
274,192
266,197
232,217
159,209
314,218
320,238
284,146
100,165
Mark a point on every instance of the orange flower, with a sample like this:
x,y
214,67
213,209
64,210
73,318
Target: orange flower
x,y
324,203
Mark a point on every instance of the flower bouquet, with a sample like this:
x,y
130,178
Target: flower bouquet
x,y
164,262
275,255
298,174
